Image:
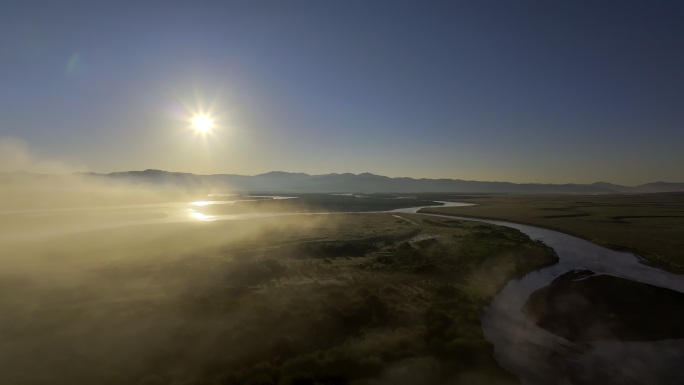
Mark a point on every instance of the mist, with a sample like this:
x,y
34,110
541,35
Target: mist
x,y
117,282
113,305
100,283
161,278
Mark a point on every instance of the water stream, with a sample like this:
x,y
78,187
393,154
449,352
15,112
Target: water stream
x,y
537,356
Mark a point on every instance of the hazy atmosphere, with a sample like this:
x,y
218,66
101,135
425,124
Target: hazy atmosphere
x,y
526,91
341,192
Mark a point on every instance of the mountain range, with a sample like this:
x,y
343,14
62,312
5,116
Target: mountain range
x,y
279,181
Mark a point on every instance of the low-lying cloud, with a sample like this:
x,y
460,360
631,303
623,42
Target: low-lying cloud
x,y
17,155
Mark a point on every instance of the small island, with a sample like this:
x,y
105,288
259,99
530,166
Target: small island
x,y
582,306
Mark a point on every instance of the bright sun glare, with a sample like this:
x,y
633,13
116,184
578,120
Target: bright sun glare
x,y
202,123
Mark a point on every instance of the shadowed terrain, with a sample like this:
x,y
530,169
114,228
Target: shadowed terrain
x,y
332,299
582,306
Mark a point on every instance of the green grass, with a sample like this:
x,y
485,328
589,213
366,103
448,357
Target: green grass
x,y
651,225
326,299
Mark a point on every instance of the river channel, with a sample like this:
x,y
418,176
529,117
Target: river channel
x,y
537,356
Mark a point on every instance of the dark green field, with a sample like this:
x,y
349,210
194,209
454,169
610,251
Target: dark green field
x,y
324,299
651,225
583,306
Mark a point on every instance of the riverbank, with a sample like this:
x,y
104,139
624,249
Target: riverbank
x,y
582,306
538,357
649,225
637,253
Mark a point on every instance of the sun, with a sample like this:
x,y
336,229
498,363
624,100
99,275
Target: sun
x,y
202,123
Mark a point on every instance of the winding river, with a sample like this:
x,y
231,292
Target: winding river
x,y
533,354
537,356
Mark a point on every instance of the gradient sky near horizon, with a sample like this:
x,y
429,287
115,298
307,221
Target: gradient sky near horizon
x,y
521,91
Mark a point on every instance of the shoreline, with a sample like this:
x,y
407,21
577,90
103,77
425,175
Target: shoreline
x,y
644,257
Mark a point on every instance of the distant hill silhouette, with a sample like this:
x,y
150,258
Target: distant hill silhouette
x,y
660,187
370,183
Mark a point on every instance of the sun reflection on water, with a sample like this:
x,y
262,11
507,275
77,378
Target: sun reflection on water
x,y
200,216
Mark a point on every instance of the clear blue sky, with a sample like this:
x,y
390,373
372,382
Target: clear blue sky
x,y
538,91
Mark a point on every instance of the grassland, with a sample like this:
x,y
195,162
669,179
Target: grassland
x,y
651,225
322,299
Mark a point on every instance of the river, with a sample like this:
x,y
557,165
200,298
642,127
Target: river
x,y
537,356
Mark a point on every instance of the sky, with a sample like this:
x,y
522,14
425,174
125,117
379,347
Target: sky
x,y
522,91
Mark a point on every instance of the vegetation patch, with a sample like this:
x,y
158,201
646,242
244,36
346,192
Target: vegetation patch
x,y
650,225
349,301
582,306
